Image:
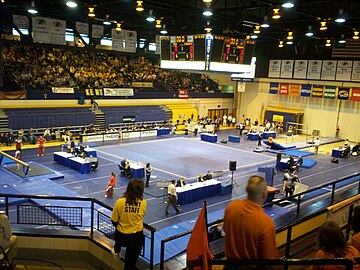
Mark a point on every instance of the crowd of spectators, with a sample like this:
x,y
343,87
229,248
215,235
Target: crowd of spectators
x,y
36,67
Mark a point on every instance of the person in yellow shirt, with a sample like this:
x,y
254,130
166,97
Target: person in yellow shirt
x,y
128,216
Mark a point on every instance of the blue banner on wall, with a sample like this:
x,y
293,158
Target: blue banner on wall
x,y
305,90
274,88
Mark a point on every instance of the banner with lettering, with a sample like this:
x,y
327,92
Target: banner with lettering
x,y
294,90
57,31
305,90
329,91
355,96
22,22
274,68
274,88
118,92
284,89
328,70
62,90
142,84
130,41
344,93
314,69
118,40
287,68
82,28
46,30
355,75
318,91
343,70
183,93
300,69
97,31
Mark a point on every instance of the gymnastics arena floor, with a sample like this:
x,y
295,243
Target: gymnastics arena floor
x,y
177,156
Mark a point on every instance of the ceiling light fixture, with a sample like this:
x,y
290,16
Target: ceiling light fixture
x,y
248,37
91,12
163,30
207,13
309,33
71,4
328,43
118,27
207,1
276,14
289,42
290,36
281,44
257,29
342,40
265,23
254,36
288,4
139,6
323,25
151,17
340,18
356,35
32,9
208,27
107,21
158,24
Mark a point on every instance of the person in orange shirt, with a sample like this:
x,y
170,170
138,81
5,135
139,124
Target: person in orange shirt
x,y
331,244
41,148
110,187
249,232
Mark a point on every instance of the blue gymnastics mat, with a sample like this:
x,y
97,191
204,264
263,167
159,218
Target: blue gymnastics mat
x,y
297,153
308,163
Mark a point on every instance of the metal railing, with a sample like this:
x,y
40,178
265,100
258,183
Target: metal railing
x,y
288,227
73,213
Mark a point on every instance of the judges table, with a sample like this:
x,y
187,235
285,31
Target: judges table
x,y
268,134
62,158
208,137
80,164
284,163
137,170
197,191
253,136
163,131
88,151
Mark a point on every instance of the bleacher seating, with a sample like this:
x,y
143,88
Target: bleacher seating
x,y
49,117
141,113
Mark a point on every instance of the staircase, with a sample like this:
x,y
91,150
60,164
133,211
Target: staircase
x,y
4,122
168,113
100,118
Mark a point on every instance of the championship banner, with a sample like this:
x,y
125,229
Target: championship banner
x,y
22,22
57,30
344,93
274,68
130,41
355,96
82,28
274,88
118,92
305,90
183,93
284,89
62,90
294,90
286,69
314,69
41,29
329,91
118,40
318,91
355,75
158,44
328,71
97,31
143,84
343,70
300,69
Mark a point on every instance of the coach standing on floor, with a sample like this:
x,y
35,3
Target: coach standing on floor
x,y
249,232
172,198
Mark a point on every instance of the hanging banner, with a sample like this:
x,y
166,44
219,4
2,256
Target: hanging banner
x,y
305,90
318,91
294,90
158,44
355,95
329,91
274,68
287,69
40,28
328,70
82,28
57,31
130,41
344,93
21,22
355,75
343,70
274,88
118,92
97,31
118,40
300,69
284,89
314,69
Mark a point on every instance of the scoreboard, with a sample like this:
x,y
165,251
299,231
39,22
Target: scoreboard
x,y
216,51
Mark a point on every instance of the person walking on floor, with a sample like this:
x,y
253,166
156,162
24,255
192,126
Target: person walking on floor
x,y
110,187
172,198
128,218
259,138
148,170
41,148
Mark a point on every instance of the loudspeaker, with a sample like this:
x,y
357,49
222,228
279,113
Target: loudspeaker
x,y
232,165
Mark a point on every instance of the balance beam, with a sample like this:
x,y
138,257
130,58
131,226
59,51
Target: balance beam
x,y
24,164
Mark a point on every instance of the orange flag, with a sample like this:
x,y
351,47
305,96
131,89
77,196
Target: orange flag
x,y
197,251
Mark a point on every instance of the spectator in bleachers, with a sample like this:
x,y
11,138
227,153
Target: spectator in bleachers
x,y
31,136
47,134
331,244
53,134
21,135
